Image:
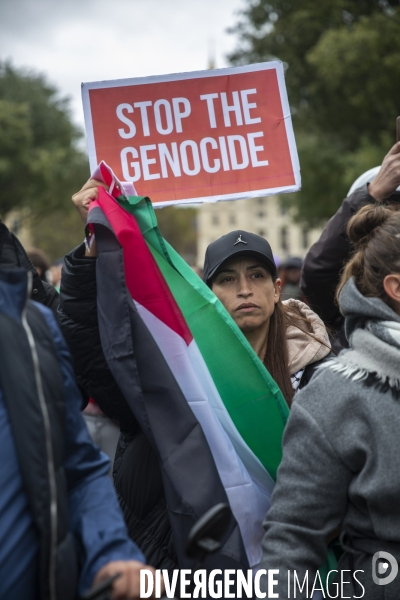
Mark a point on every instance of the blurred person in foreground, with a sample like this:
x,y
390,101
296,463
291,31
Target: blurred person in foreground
x,y
341,446
61,528
12,254
327,257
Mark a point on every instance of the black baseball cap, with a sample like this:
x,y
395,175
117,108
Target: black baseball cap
x,y
237,243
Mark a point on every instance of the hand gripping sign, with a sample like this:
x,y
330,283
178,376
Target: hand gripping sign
x,y
191,137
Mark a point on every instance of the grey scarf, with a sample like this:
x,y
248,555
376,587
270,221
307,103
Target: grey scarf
x,y
374,356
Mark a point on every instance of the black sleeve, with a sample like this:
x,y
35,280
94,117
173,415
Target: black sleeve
x,y
52,297
77,317
326,258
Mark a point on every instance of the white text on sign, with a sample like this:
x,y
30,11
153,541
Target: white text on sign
x,y
153,161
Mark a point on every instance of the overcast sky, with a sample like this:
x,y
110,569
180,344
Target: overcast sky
x,y
71,41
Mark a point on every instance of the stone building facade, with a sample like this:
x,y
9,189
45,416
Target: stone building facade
x,y
265,216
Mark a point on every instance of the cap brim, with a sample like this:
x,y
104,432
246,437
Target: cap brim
x,y
271,266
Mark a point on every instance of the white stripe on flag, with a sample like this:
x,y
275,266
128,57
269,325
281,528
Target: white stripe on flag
x,y
248,498
258,472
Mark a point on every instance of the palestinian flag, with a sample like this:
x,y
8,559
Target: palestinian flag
x,y
192,380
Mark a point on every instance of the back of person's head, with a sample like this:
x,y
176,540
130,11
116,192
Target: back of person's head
x,y
40,261
375,233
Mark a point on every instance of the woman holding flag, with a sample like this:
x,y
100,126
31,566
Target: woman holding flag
x,y
241,414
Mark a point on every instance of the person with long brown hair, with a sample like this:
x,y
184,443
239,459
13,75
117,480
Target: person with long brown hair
x,y
341,447
288,337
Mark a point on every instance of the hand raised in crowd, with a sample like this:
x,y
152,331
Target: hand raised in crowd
x,y
84,197
388,178
82,200
127,585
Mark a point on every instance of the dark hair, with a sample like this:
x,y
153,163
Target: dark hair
x,y
276,359
375,232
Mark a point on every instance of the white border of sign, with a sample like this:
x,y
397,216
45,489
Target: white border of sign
x,y
265,66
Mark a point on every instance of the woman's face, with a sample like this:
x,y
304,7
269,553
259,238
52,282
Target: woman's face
x,y
245,287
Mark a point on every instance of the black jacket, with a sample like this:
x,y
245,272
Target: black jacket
x,y
311,369
136,461
37,416
324,262
13,255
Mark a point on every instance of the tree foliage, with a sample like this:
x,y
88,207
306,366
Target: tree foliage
x,y
56,232
342,61
40,163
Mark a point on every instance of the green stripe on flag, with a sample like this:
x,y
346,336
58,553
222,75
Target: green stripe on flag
x,y
251,397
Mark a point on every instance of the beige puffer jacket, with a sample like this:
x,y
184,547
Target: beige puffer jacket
x,y
303,349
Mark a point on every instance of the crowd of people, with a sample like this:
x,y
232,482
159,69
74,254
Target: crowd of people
x,y
332,345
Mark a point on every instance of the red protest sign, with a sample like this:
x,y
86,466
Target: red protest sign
x,y
207,135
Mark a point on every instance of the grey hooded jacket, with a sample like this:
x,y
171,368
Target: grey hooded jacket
x,y
340,471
